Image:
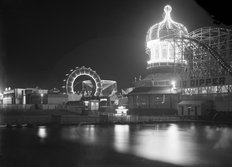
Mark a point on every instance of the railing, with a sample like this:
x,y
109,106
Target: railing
x,y
141,119
30,106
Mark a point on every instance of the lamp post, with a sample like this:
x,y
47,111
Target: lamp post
x,y
173,86
41,97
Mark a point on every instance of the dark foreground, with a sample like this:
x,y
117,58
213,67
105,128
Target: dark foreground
x,y
163,144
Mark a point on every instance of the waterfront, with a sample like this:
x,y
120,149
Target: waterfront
x,y
163,144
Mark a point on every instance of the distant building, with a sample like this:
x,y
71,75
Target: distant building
x,y
24,96
36,96
13,96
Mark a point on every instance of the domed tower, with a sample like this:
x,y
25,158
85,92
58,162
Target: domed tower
x,y
161,45
166,57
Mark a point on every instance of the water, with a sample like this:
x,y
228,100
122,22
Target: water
x,y
164,144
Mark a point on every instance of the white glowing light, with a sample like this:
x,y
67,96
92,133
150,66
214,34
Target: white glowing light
x,y
173,83
42,132
121,110
169,23
167,145
89,135
160,43
121,138
103,100
86,103
162,51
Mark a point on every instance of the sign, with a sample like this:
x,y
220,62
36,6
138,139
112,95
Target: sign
x,y
204,82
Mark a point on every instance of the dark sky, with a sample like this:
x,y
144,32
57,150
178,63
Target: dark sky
x,y
42,40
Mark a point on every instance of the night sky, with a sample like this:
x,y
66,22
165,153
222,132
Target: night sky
x,y
42,40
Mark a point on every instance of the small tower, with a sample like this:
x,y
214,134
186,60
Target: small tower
x,y
163,45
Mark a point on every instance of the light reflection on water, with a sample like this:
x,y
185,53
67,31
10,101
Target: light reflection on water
x,y
181,144
121,138
168,145
85,134
42,132
223,136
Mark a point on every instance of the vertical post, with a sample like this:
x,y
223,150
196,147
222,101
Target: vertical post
x,y
41,98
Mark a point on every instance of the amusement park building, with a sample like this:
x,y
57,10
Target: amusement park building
x,y
22,96
187,72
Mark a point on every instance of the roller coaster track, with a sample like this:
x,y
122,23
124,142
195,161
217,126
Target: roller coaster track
x,y
212,52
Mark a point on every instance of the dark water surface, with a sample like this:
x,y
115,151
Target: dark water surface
x,y
164,144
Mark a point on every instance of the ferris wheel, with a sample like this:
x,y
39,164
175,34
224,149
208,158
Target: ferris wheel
x,y
78,76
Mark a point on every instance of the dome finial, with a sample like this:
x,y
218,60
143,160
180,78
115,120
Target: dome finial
x,y
167,28
167,9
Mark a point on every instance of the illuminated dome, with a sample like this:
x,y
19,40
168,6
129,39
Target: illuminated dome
x,y
166,28
161,47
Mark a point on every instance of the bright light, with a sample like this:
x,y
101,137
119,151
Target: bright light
x,y
166,144
86,103
173,83
89,134
169,23
103,99
42,132
121,110
165,51
162,51
94,105
41,97
9,88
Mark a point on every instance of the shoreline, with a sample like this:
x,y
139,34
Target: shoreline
x,y
109,123
62,118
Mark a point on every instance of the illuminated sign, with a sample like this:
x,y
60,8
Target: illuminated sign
x,y
204,82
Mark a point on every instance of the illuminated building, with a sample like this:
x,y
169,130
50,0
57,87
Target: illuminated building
x,y
121,111
185,70
24,96
36,96
13,96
